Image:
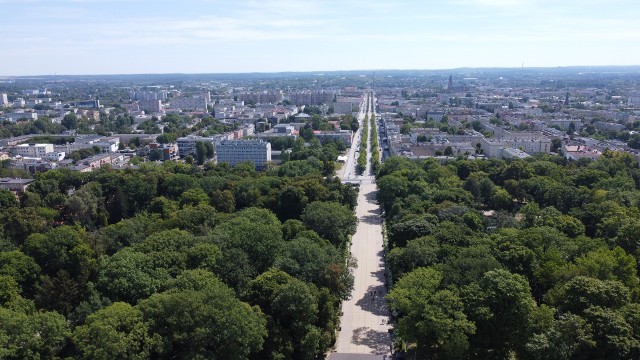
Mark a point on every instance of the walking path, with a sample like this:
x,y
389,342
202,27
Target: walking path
x,y
364,332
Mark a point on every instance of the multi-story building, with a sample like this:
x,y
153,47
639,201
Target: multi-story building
x,y
187,144
312,97
33,150
261,97
4,100
106,144
565,124
340,135
343,107
193,103
169,151
16,116
148,95
88,104
234,152
17,185
154,106
493,147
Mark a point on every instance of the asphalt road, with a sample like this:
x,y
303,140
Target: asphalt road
x,y
364,332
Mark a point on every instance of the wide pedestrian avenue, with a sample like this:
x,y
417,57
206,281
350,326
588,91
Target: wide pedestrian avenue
x,y
364,331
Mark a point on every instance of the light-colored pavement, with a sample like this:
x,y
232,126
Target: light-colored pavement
x,y
348,171
364,328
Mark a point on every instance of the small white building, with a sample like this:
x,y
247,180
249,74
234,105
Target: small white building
x,y
54,156
33,150
575,152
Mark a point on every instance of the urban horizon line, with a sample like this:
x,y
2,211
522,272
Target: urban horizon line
x,y
320,72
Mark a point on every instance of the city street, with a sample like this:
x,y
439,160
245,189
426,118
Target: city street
x,y
364,332
348,171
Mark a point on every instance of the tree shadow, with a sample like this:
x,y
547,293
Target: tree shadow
x,y
378,341
371,196
379,275
371,219
373,301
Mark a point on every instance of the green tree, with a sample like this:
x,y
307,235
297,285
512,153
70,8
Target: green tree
x,y
254,238
70,121
117,331
429,316
18,334
570,337
22,268
201,152
584,292
500,304
448,151
201,318
129,276
20,223
292,312
193,197
330,220
7,199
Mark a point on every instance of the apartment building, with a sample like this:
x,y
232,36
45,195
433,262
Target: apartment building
x,y
492,147
193,103
187,144
33,150
16,116
234,152
265,97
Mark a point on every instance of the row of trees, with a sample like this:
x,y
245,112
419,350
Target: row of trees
x,y
375,152
176,261
364,144
523,259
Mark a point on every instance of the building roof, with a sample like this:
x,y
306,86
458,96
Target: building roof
x,y
16,181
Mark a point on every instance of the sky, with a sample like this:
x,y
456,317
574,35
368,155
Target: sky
x,y
69,37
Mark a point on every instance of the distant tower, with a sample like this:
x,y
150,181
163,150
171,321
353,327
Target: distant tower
x,y
450,84
566,99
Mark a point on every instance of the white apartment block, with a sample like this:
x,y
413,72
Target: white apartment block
x,y
19,102
492,148
34,150
148,95
4,100
187,144
154,106
234,152
16,116
343,107
106,144
195,103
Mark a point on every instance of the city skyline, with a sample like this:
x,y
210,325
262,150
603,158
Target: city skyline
x,y
199,36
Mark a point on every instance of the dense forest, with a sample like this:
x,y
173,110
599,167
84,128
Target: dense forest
x,y
524,259
173,261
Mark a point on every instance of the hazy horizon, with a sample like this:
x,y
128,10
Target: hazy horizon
x,y
322,72
120,37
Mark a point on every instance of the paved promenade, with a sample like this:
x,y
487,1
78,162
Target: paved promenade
x,y
364,330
